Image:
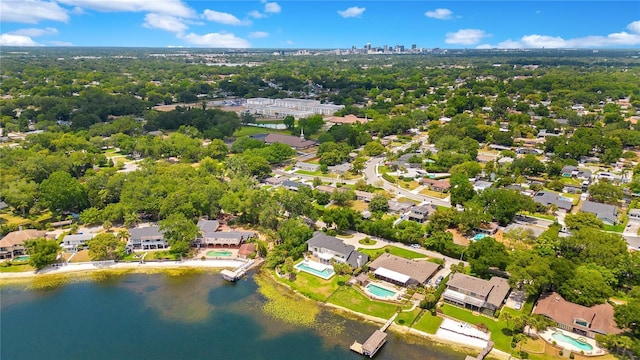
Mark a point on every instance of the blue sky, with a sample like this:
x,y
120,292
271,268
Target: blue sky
x,y
321,24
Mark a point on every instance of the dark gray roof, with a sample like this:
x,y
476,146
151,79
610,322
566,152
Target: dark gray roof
x,y
148,231
352,260
323,240
293,184
604,212
547,197
207,226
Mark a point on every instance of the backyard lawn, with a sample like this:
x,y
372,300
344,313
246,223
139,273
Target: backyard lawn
x,y
394,250
81,256
16,268
407,318
434,194
502,341
312,286
351,299
428,323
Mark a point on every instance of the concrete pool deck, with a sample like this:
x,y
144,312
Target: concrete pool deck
x,y
547,335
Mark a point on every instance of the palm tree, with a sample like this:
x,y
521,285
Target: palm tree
x,y
506,317
123,235
521,339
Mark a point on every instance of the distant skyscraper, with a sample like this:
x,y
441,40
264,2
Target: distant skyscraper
x,y
413,46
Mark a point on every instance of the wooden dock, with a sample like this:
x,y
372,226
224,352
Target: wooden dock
x,y
238,273
483,353
375,341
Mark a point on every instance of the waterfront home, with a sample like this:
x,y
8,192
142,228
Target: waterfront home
x,y
401,271
485,296
147,238
582,320
12,244
210,236
327,248
605,212
71,243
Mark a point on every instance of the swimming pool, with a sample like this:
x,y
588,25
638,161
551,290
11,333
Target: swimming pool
x,y
315,268
219,253
562,338
479,236
21,258
380,291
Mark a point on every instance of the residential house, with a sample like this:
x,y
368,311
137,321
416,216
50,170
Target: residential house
x,y
481,185
147,238
605,212
12,244
71,243
547,198
274,181
421,213
528,151
364,196
210,236
574,171
341,168
442,185
488,228
485,296
400,207
403,161
327,248
401,271
307,166
293,185
293,141
582,320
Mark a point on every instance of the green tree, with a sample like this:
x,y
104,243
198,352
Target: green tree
x,y
106,246
486,253
586,287
605,192
179,232
342,197
461,189
61,192
374,148
42,252
627,316
379,204
289,121
583,220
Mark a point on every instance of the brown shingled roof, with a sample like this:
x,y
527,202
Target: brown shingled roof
x,y
19,237
292,141
562,311
420,271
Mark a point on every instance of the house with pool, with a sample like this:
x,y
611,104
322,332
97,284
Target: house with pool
x,y
327,248
12,244
403,272
209,236
578,319
485,296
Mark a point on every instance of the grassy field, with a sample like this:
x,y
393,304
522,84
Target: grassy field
x,y
351,299
407,318
164,254
312,286
81,256
428,323
394,250
16,268
409,185
404,199
367,242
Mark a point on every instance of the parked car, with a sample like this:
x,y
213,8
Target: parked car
x,y
439,280
416,246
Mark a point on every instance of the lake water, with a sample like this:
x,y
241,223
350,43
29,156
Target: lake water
x,y
196,316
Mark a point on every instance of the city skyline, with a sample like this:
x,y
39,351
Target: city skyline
x,y
320,25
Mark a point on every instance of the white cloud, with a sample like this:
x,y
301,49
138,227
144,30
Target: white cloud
x,y
165,7
440,14
465,37
33,32
216,40
164,22
32,11
258,34
634,27
257,14
17,40
353,11
272,8
223,18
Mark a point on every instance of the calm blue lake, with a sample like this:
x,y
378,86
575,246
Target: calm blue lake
x,y
197,316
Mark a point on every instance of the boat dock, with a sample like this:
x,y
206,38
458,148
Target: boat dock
x,y
483,354
238,273
375,341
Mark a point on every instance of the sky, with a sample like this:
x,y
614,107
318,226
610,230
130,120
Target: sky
x,y
327,24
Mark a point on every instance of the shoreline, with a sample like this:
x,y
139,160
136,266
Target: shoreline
x,y
84,268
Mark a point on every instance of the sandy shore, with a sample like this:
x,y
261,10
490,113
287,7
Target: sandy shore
x,y
87,267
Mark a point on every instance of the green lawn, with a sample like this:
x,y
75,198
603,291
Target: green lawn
x,y
351,299
312,286
16,268
428,323
383,169
163,254
407,318
367,242
404,199
614,228
394,250
502,341
434,194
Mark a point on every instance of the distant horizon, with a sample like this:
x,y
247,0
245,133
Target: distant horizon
x,y
304,24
